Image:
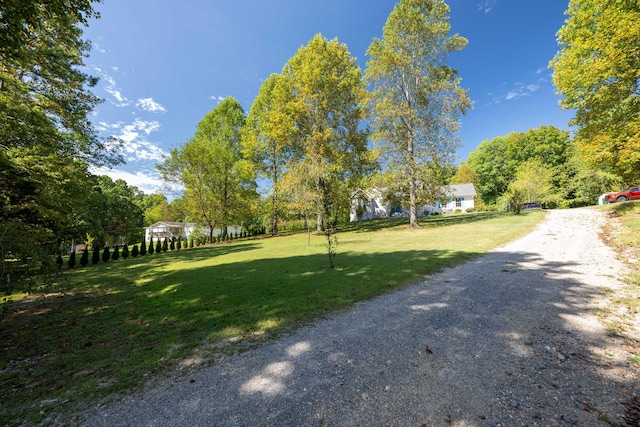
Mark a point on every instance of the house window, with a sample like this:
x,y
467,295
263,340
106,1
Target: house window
x,y
458,203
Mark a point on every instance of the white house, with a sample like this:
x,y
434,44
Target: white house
x,y
168,230
369,204
462,197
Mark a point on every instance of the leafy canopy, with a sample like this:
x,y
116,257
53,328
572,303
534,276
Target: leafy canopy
x,y
596,69
416,97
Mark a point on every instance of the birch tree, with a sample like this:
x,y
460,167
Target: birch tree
x,y
416,99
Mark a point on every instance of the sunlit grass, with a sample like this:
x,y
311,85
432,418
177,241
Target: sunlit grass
x,y
116,323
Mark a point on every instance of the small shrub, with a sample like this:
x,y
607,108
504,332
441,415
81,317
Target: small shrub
x,y
165,245
469,210
125,251
179,243
158,246
106,254
72,260
143,248
457,211
84,259
59,260
116,253
172,246
134,251
95,258
191,243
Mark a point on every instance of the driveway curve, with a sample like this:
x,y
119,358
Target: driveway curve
x,y
508,339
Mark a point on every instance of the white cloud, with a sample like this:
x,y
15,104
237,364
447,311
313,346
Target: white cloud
x,y
148,104
487,5
147,182
521,90
112,88
134,137
217,98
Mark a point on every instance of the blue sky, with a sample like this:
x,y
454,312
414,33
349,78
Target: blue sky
x,y
163,65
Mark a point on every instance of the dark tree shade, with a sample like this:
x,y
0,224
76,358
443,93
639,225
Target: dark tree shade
x,y
116,253
106,254
72,260
134,251
125,251
84,259
95,258
59,260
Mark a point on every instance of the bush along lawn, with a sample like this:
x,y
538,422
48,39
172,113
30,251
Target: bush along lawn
x,y
107,327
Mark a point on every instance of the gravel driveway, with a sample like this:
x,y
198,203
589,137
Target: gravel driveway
x,y
508,339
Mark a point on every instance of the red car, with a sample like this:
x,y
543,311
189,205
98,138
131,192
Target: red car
x,y
631,193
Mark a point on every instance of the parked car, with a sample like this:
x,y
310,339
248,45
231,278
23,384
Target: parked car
x,y
631,193
531,206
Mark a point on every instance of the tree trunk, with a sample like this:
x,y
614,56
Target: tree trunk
x,y
411,169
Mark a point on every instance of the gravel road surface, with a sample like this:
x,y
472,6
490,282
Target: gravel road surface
x,y
508,339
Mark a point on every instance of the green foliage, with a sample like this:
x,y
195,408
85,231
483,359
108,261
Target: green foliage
x,y
125,251
59,260
106,254
84,259
268,137
596,71
179,243
172,245
325,106
165,245
496,161
134,251
416,97
158,247
143,248
219,182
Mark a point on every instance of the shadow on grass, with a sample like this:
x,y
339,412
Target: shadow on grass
x,y
124,320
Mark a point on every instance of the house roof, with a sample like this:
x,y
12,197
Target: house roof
x,y
172,224
461,190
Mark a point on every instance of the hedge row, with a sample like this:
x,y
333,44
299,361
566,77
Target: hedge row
x,y
157,247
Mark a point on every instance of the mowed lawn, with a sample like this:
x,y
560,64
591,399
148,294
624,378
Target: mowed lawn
x,y
107,328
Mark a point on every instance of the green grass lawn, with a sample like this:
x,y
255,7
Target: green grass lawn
x,y
106,328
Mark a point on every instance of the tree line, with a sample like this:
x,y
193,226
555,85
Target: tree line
x,y
316,131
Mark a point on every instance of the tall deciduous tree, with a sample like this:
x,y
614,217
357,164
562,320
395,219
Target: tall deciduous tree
x,y
596,69
219,183
44,96
416,98
327,109
269,135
